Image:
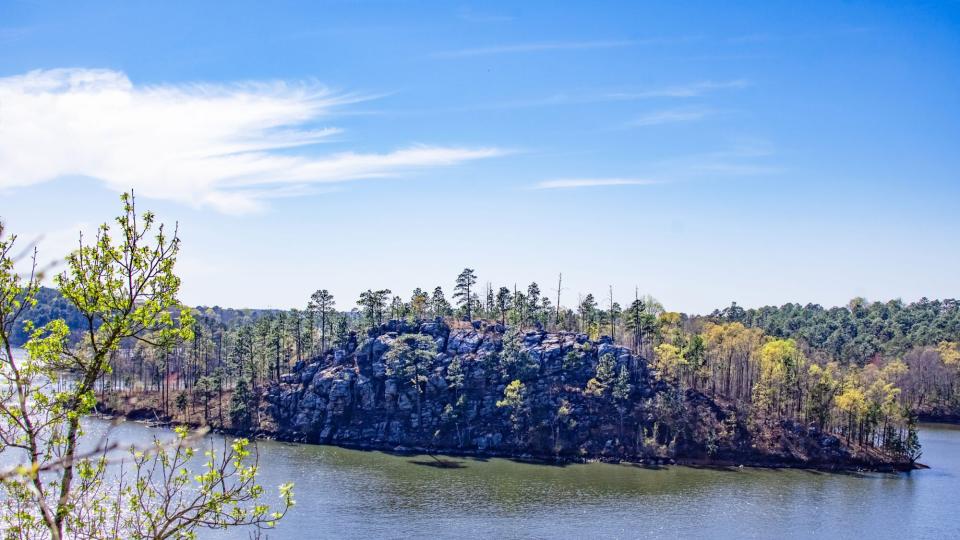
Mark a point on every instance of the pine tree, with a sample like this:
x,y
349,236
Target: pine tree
x,y
912,444
490,309
635,322
503,303
587,309
321,303
418,304
241,416
310,325
439,303
622,387
374,304
455,376
621,393
296,326
533,301
465,281
614,315
398,309
598,385
410,356
341,331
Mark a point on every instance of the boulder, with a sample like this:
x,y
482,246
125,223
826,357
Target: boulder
x,y
463,341
340,397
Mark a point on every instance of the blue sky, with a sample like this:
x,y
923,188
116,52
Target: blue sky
x,y
705,152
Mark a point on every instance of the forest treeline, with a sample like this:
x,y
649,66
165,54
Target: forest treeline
x,y
863,371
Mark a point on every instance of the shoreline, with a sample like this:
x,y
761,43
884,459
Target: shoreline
x,y
949,420
438,454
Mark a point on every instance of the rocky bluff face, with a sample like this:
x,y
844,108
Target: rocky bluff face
x,y
483,388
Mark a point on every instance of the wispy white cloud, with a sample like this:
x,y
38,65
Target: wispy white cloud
x,y
680,91
470,15
670,116
743,157
720,168
571,183
534,47
687,90
216,146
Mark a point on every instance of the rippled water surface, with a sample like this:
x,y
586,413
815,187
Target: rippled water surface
x,y
353,494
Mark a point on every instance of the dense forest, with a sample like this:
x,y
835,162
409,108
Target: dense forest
x,y
858,333
864,372
916,344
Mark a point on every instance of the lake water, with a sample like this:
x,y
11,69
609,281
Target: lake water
x,y
353,494
370,495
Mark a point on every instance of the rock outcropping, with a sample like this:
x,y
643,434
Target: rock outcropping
x,y
569,406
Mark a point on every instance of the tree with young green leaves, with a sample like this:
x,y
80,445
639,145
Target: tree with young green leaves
x,y
123,285
515,401
824,385
777,392
731,350
669,361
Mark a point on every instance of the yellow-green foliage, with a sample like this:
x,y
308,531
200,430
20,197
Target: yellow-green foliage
x,y
949,353
514,399
780,365
668,360
852,401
